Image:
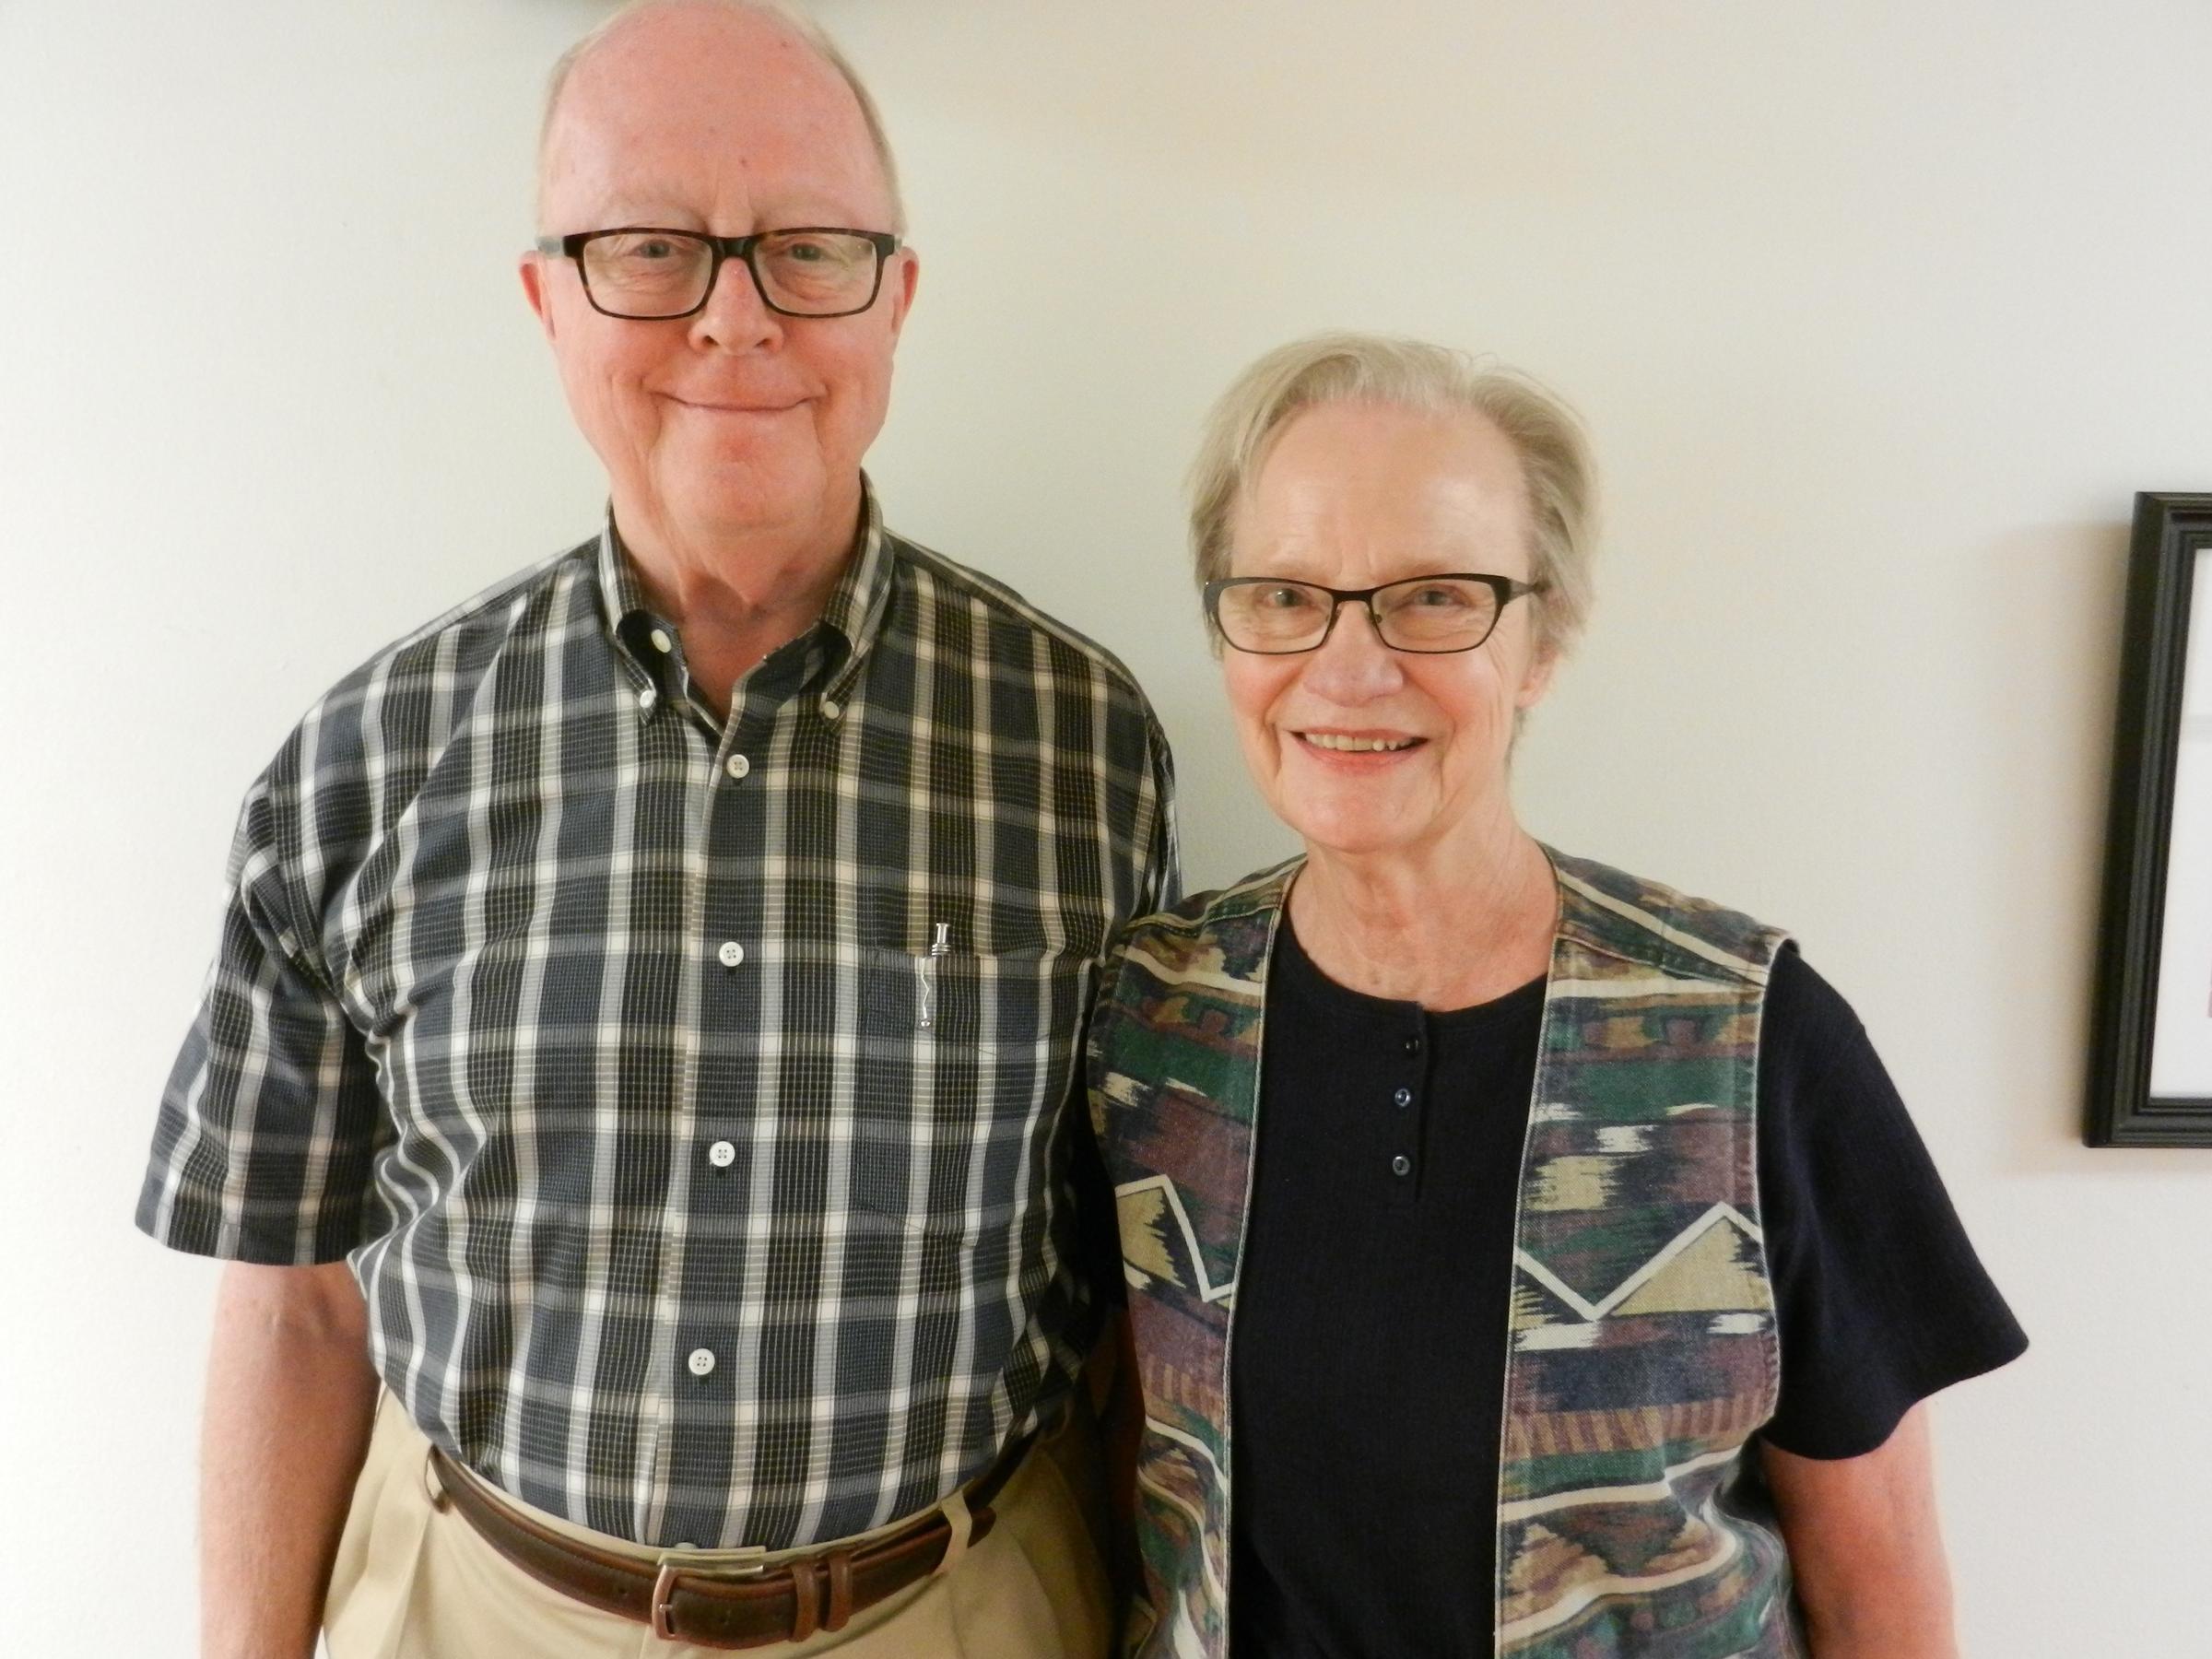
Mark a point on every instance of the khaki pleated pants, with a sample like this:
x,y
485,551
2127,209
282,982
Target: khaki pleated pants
x,y
413,1580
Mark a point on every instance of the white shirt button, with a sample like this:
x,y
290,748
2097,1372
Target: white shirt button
x,y
721,1155
701,1361
737,766
731,954
647,698
832,708
661,642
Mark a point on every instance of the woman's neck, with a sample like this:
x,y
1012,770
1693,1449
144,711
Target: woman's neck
x,y
1445,927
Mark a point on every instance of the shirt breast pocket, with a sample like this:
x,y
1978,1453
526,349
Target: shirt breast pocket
x,y
963,1063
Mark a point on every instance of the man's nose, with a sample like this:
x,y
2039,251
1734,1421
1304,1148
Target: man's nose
x,y
734,317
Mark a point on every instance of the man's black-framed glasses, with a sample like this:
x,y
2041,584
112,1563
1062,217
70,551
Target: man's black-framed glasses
x,y
1427,614
648,274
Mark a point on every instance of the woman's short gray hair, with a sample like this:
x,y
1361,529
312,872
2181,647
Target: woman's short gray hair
x,y
1408,374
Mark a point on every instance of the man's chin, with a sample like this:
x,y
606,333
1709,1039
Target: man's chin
x,y
737,497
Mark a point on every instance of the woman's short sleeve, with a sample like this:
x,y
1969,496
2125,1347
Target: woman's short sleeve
x,y
1880,1298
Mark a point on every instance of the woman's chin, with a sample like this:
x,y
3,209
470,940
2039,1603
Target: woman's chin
x,y
1356,828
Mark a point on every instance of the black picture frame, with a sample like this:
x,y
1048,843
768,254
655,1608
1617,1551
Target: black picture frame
x,y
2170,530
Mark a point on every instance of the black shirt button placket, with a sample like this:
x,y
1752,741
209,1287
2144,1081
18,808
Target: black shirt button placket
x,y
1407,1125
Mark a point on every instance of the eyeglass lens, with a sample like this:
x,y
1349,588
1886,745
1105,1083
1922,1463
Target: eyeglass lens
x,y
662,274
1425,614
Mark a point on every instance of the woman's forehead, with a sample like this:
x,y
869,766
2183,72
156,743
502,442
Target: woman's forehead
x,y
1383,496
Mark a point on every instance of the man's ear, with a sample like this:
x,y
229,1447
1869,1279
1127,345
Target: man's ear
x,y
531,270
901,281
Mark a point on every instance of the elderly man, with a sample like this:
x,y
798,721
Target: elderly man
x,y
649,992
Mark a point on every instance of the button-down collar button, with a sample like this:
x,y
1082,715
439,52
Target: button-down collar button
x,y
832,708
721,1155
1404,1096
730,954
737,766
701,1361
1400,1164
647,698
661,642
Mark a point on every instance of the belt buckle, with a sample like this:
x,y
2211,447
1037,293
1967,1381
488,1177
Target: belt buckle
x,y
672,1566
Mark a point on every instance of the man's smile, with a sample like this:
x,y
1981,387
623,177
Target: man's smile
x,y
736,405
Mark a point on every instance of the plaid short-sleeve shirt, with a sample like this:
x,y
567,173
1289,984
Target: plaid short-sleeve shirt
x,y
686,1095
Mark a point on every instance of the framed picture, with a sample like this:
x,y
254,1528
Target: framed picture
x,y
2150,1080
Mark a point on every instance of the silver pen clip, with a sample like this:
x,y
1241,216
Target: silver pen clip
x,y
925,978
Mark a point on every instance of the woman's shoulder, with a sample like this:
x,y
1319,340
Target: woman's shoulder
x,y
1256,897
1636,916
1215,943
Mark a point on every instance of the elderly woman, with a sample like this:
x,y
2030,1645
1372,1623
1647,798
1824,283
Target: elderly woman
x,y
1522,1256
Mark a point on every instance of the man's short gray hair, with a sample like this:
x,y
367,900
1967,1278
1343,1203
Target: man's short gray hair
x,y
1408,374
812,34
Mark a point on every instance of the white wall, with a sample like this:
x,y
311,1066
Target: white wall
x,y
1880,312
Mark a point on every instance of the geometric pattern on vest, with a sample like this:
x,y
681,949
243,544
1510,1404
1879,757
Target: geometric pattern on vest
x,y
1174,1074
1642,1353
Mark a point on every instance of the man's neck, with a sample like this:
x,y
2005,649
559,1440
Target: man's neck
x,y
735,598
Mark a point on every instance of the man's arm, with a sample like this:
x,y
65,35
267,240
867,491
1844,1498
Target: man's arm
x,y
289,1396
1865,1547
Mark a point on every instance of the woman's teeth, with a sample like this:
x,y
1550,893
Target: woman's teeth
x,y
1357,745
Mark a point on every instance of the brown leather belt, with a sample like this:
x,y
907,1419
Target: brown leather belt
x,y
780,1601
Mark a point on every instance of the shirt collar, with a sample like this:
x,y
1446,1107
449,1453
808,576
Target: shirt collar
x,y
864,594
619,590
849,623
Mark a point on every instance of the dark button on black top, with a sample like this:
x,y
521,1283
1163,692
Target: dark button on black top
x,y
1413,1044
1404,1096
1401,1165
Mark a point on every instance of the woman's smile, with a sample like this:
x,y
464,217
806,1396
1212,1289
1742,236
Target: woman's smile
x,y
1343,747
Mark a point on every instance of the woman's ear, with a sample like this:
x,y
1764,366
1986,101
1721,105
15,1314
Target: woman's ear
x,y
1537,681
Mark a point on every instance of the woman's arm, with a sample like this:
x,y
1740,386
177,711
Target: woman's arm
x,y
1867,1549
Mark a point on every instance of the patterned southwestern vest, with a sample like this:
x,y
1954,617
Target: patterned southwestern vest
x,y
1641,1354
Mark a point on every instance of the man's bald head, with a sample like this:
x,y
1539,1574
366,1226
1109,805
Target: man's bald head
x,y
733,423
640,28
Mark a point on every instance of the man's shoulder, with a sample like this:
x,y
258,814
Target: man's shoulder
x,y
494,613
437,664
1009,608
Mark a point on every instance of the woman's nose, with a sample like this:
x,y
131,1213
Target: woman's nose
x,y
1353,664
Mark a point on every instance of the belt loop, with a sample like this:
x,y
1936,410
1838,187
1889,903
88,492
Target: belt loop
x,y
840,1590
963,1526
806,1598
433,1483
